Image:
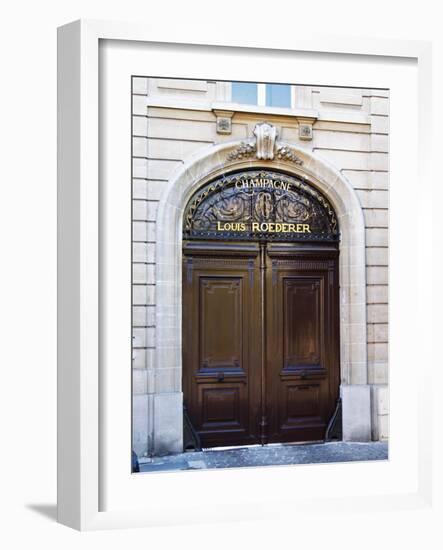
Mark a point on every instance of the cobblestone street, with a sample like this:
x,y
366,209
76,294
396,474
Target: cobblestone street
x,y
319,453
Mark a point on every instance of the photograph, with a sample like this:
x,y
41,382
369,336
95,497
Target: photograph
x,y
221,277
259,274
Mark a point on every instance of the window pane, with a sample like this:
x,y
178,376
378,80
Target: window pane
x,y
278,95
244,92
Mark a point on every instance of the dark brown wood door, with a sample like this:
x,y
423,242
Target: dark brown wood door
x,y
221,380
302,375
260,342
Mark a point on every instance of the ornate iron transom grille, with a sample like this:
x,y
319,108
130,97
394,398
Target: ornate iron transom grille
x,y
259,205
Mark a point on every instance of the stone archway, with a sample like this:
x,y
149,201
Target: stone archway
x,y
211,162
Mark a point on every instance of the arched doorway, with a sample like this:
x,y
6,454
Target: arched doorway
x,y
260,314
166,424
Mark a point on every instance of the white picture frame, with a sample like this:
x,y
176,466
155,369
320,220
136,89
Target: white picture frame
x,y
95,487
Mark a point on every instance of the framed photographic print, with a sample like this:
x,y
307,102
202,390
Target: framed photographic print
x,y
232,221
280,193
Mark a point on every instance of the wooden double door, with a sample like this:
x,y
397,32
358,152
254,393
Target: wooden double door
x,y
260,341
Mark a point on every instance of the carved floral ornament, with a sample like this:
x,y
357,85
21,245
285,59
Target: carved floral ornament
x,y
264,146
259,204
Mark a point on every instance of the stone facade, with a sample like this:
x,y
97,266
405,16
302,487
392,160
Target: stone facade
x,y
183,132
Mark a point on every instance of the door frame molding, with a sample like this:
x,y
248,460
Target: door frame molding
x,y
208,163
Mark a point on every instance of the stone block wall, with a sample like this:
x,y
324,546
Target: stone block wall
x,y
174,119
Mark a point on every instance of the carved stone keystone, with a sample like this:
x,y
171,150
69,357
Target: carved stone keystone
x,y
265,146
265,134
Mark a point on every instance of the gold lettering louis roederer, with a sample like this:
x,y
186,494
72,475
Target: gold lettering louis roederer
x,y
265,227
281,227
231,226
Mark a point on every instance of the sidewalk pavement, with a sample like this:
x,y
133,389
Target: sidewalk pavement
x,y
269,455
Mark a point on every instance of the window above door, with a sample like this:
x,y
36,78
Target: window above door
x,y
270,95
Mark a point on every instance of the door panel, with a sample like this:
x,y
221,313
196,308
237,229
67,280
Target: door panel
x,y
221,407
301,404
220,380
221,326
302,355
302,317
